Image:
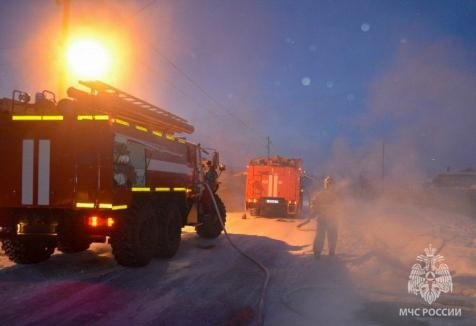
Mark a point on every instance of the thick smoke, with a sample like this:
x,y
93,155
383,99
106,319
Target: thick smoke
x,y
419,120
427,98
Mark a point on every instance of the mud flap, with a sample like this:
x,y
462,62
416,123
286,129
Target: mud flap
x,y
192,217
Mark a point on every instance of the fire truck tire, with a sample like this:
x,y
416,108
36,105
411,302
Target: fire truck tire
x,y
73,245
135,240
210,226
170,231
28,251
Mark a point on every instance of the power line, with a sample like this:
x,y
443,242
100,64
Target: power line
x,y
181,92
147,5
188,77
150,4
193,81
197,85
9,48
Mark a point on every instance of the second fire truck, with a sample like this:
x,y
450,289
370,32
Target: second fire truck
x,y
273,186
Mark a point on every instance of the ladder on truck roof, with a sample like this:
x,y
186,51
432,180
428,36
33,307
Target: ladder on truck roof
x,y
134,109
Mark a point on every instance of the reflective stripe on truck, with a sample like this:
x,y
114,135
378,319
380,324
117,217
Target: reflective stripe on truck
x,y
28,172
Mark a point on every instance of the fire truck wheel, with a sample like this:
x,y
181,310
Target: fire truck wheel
x,y
135,240
170,232
28,251
210,226
73,245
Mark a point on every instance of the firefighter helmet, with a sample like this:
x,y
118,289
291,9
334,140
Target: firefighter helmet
x,y
328,182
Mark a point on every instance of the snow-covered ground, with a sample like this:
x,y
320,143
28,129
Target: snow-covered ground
x,y
209,283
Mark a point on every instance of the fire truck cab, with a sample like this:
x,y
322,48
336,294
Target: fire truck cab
x,y
273,186
100,165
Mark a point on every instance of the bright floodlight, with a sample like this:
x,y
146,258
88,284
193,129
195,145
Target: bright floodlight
x,y
88,59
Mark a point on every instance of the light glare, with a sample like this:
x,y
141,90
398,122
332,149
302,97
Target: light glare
x,y
88,59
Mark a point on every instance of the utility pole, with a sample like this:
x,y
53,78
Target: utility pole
x,y
268,146
63,45
383,166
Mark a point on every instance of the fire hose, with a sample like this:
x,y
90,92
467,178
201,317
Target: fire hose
x,y
260,304
307,221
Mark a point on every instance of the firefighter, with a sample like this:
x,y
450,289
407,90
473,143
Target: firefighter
x,y
325,206
211,176
211,179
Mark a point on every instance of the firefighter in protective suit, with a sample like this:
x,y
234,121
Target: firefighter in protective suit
x,y
325,206
211,175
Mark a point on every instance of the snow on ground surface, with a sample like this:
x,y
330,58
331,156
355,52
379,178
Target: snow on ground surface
x,y
208,283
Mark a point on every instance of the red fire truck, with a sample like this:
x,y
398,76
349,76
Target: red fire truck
x,y
273,186
100,165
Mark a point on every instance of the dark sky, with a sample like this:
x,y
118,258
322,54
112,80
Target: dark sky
x,y
328,81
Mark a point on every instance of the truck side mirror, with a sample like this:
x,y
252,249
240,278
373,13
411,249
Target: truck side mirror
x,y
221,167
